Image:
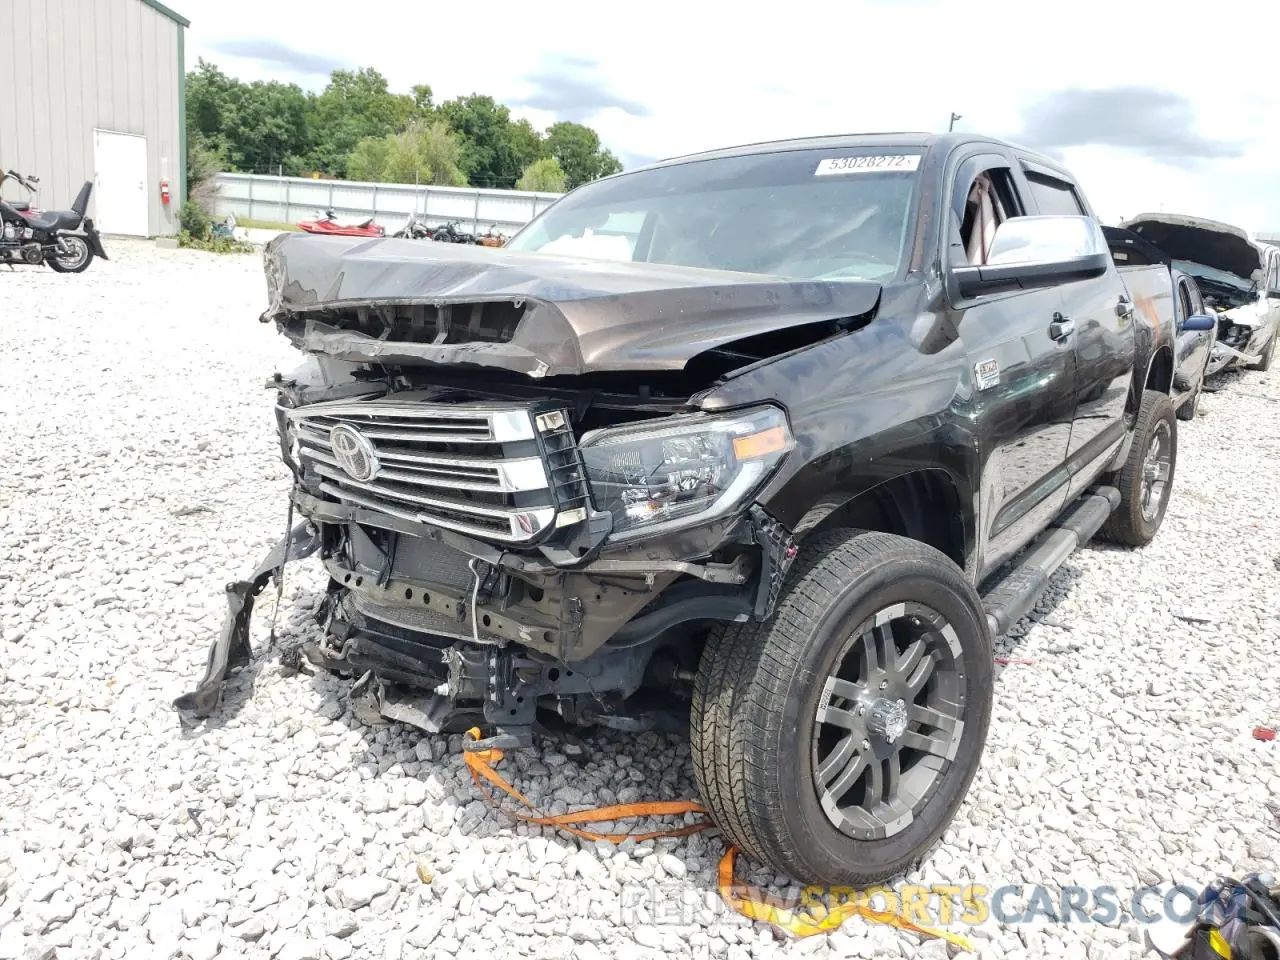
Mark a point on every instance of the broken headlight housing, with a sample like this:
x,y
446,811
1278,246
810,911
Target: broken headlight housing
x,y
683,470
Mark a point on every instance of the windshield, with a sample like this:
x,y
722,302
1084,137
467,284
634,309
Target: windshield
x,y
801,214
1241,290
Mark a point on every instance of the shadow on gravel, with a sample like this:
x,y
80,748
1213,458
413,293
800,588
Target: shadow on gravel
x,y
558,773
1062,582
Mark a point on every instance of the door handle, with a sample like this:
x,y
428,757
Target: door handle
x,y
1061,328
1124,307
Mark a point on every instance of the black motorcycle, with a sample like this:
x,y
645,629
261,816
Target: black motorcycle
x,y
450,233
64,239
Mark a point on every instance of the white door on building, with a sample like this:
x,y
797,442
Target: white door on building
x,y
120,183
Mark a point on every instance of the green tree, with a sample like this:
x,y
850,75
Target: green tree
x,y
489,156
422,99
249,126
355,105
368,159
423,153
526,143
543,175
208,98
357,127
578,150
267,127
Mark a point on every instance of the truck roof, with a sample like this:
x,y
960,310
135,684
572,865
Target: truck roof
x,y
917,139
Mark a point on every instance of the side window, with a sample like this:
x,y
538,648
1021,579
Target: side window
x,y
1054,197
1197,302
991,201
1184,299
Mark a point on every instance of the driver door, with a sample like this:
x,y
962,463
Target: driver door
x,y
1020,390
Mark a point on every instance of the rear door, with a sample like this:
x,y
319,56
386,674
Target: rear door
x,y
1022,395
1099,321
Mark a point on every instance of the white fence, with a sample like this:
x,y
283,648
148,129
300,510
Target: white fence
x,y
290,199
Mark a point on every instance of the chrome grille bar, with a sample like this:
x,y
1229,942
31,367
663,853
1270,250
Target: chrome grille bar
x,y
407,459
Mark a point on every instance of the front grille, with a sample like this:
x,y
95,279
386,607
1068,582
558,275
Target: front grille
x,y
495,471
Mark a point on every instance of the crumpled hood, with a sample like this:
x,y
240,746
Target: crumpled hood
x,y
579,315
1217,245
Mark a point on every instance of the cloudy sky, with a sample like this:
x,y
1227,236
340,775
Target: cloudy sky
x,y
1150,110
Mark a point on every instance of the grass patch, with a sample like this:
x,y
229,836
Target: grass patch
x,y
214,244
267,225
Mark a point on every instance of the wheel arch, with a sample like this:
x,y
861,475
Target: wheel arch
x,y
1160,371
925,504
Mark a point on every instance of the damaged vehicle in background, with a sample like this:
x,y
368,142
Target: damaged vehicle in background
x,y
1195,323
772,446
1240,281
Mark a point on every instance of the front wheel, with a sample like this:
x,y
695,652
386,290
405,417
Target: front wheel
x,y
1146,479
72,256
835,742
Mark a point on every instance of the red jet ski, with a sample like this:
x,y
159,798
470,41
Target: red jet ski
x,y
329,224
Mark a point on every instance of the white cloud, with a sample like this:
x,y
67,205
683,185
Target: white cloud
x,y
714,73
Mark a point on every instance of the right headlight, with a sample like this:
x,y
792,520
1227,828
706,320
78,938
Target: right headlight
x,y
684,470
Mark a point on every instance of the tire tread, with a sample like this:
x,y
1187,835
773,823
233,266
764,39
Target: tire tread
x,y
747,671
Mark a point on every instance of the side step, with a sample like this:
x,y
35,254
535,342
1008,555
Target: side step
x,y
1015,590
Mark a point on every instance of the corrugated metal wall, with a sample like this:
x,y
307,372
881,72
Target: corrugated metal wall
x,y
68,66
289,199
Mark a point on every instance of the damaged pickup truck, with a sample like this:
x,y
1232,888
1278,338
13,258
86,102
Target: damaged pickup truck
x,y
1240,281
774,439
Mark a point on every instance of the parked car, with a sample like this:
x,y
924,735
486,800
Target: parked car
x,y
1240,280
1196,324
825,425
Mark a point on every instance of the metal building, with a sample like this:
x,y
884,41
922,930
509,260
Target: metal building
x,y
95,90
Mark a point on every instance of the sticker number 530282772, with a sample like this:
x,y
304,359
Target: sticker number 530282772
x,y
882,163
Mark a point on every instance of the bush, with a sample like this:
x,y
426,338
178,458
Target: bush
x,y
421,153
213,244
544,176
194,221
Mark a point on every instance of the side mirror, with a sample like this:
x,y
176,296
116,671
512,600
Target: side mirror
x,y
1199,323
1031,252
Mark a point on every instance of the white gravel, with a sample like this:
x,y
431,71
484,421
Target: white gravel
x,y
141,473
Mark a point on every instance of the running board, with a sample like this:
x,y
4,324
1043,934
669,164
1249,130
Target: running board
x,y
1016,589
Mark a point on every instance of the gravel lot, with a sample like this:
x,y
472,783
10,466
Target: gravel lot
x,y
142,473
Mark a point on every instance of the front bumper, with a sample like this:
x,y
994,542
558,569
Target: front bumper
x,y
232,647
446,632
1222,356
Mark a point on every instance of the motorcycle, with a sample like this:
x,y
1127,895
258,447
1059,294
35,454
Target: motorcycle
x,y
494,238
415,228
328,224
64,239
450,233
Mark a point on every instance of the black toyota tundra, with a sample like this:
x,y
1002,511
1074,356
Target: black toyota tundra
x,y
772,440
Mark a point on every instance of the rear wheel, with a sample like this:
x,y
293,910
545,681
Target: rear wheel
x,y
72,256
835,742
1146,479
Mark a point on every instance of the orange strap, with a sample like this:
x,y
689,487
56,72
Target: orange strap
x,y
481,762
745,899
757,905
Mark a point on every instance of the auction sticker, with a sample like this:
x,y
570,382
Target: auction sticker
x,y
882,163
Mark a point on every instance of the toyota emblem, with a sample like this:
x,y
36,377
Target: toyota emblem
x,y
354,453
